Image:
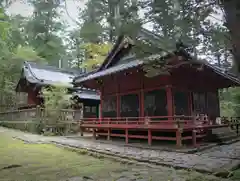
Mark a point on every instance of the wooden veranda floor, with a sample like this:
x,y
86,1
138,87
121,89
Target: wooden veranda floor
x,y
178,128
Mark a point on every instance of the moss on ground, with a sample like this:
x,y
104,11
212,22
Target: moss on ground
x,y
20,161
236,175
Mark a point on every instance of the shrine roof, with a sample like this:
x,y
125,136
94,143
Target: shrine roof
x,y
45,75
120,58
111,70
137,63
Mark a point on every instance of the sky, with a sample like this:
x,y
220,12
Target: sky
x,y
22,8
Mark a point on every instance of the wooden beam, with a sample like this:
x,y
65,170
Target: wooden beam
x,y
149,137
126,136
179,137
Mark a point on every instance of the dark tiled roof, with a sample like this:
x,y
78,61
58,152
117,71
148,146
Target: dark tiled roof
x,y
115,56
48,75
111,70
224,73
135,63
119,63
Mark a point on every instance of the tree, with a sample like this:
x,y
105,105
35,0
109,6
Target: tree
x,y
13,52
55,99
232,15
105,20
95,54
230,102
43,29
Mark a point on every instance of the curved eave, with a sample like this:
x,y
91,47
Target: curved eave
x,y
115,69
32,78
235,80
79,80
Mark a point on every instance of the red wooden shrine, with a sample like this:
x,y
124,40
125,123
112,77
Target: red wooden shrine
x,y
163,107
35,77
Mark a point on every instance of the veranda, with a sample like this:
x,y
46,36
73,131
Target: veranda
x,y
178,106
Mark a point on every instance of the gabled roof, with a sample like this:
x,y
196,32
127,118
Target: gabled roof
x,y
117,60
41,74
44,75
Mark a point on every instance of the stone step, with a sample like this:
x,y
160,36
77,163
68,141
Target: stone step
x,y
223,134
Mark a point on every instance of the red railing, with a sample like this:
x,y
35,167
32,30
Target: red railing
x,y
174,124
173,121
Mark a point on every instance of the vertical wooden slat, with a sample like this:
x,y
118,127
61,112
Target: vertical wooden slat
x,y
194,138
149,137
179,137
109,132
126,136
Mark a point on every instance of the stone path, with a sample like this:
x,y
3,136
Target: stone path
x,y
212,160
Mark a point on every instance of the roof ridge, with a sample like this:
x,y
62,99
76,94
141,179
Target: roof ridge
x,y
53,68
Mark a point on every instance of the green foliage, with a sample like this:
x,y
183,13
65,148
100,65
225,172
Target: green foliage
x,y
9,66
34,127
105,20
55,99
31,39
230,102
27,54
48,162
91,31
38,37
236,175
42,29
95,54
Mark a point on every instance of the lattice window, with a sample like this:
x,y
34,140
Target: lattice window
x,y
181,103
199,102
109,106
213,105
155,103
129,105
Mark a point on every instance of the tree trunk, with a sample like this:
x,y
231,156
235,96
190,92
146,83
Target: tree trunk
x,y
232,11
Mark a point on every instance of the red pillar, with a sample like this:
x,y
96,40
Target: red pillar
x,y
101,103
31,97
169,102
118,97
142,95
141,103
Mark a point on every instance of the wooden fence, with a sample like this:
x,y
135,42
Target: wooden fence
x,y
68,121
39,120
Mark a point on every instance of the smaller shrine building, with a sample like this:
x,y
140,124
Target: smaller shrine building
x,y
35,76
